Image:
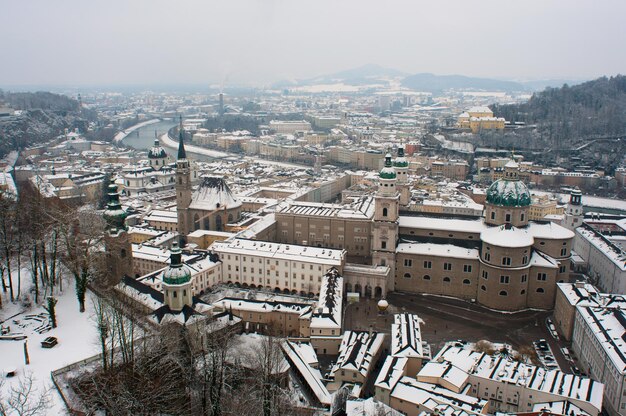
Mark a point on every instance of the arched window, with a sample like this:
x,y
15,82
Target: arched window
x,y
426,277
466,281
493,215
446,280
385,211
540,290
503,293
196,222
207,223
218,223
523,292
407,275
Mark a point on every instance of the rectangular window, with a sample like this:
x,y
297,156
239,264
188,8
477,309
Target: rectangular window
x,y
467,268
563,252
408,262
447,266
504,279
383,244
506,261
428,264
541,277
524,278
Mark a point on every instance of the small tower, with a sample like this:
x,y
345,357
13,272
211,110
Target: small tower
x,y
574,211
177,282
157,155
402,172
117,241
183,186
385,226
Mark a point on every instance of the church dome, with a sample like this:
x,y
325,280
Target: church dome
x,y
508,193
178,273
157,152
387,172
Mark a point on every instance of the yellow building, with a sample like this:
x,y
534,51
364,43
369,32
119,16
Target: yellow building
x,y
477,119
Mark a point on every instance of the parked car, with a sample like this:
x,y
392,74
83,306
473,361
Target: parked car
x,y
49,342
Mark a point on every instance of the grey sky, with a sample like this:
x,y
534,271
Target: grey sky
x,y
258,41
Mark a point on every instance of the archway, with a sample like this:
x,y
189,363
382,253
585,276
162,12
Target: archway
x,y
277,290
348,288
357,289
286,291
294,292
378,292
244,285
253,286
237,284
368,291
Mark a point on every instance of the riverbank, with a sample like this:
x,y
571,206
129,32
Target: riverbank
x,y
122,134
167,141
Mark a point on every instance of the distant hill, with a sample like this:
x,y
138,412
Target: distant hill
x,y
591,109
43,116
363,75
436,83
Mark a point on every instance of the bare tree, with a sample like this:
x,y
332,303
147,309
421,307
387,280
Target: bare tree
x,y
24,399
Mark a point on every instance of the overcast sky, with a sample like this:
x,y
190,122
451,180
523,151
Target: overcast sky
x,y
76,42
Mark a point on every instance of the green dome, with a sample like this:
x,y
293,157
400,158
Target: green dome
x,y
401,161
508,193
114,214
387,172
178,273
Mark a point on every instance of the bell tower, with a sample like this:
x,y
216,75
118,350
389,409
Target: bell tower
x,y
183,186
574,214
119,251
385,226
402,171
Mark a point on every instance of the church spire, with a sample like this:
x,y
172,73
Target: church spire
x,y
181,145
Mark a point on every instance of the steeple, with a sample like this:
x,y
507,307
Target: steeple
x,y
177,291
114,215
181,145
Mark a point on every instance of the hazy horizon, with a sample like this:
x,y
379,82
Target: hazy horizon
x,y
259,42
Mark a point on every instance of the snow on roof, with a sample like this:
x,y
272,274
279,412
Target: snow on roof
x,y
549,231
299,356
391,372
505,370
363,208
162,216
406,336
507,236
442,224
608,325
413,391
324,256
540,259
328,311
263,306
213,193
564,407
369,407
357,351
440,250
604,245
443,371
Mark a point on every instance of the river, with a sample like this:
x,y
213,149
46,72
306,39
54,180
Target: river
x,y
143,138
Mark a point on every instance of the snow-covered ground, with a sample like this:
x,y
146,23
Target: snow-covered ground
x,y
76,333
